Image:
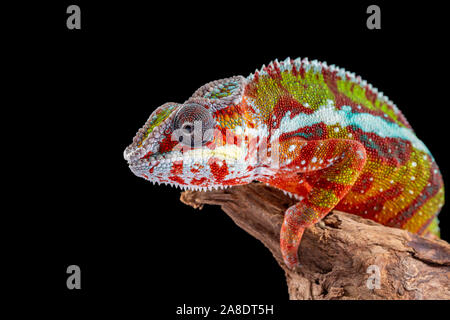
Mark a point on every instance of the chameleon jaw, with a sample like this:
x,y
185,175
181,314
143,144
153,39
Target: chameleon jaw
x,y
155,159
227,153
189,187
197,167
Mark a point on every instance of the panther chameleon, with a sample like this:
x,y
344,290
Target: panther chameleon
x,y
317,132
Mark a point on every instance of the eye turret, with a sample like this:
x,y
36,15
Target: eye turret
x,y
193,125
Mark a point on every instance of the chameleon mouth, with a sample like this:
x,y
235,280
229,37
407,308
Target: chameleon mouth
x,y
189,187
157,158
229,153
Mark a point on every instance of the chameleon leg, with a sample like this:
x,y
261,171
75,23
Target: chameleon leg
x,y
330,167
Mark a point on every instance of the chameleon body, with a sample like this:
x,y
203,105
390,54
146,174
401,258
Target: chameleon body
x,y
317,132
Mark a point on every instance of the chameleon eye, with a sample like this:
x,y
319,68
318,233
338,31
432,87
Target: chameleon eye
x,y
187,127
190,124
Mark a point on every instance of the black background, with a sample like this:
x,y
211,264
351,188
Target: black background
x,y
84,93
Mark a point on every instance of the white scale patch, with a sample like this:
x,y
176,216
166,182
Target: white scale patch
x,y
329,115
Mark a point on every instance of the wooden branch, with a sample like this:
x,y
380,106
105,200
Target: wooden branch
x,y
340,258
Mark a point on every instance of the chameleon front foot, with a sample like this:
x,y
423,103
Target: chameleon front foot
x,y
326,170
290,237
289,251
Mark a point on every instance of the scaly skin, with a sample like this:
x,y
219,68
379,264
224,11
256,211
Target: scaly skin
x,y
317,132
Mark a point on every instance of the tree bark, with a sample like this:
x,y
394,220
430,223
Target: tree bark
x,y
343,257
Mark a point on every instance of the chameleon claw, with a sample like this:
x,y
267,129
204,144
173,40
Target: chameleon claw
x,y
321,224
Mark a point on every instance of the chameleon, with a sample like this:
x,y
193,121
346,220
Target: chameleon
x,y
319,133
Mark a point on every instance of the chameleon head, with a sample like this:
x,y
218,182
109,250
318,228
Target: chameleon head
x,y
197,144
